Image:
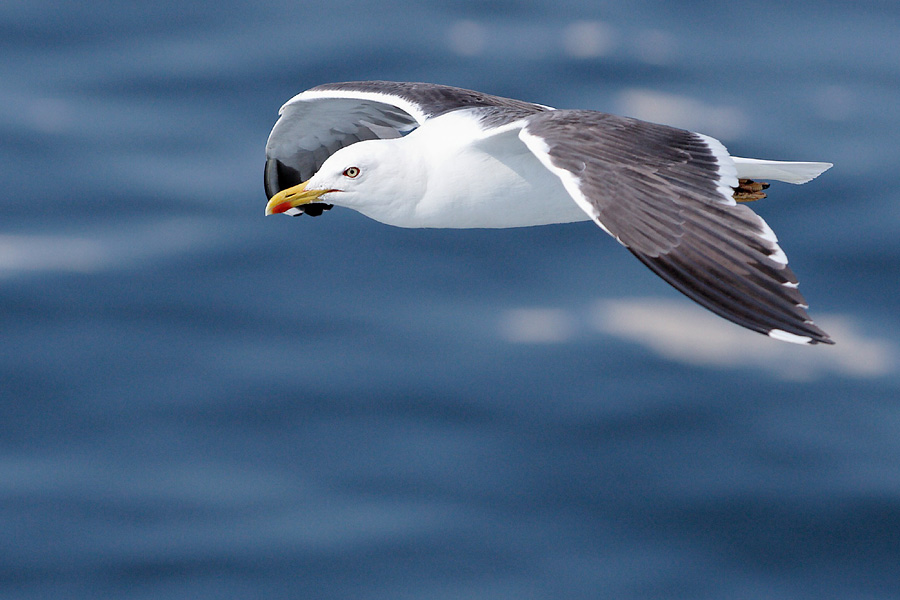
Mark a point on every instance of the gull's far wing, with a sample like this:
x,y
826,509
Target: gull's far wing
x,y
316,123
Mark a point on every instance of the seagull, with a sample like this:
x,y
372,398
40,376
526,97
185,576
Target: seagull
x,y
428,155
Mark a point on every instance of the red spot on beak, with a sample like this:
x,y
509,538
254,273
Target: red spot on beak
x,y
280,208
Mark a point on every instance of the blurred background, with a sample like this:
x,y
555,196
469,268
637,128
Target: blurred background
x,y
200,402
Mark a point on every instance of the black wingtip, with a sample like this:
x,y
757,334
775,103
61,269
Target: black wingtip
x,y
824,338
752,307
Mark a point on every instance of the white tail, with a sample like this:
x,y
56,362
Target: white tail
x,y
790,172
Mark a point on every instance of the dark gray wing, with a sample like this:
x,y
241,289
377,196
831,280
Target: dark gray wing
x,y
666,195
318,122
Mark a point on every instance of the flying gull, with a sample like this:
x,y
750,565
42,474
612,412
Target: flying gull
x,y
426,155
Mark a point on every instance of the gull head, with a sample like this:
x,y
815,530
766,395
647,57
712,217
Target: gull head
x,y
373,177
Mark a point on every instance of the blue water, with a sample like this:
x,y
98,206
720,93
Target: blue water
x,y
200,402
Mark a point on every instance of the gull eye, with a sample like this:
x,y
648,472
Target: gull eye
x,y
351,172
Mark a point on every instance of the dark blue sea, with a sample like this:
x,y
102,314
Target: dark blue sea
x,y
197,401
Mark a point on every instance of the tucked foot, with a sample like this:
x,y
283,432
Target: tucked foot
x,y
749,190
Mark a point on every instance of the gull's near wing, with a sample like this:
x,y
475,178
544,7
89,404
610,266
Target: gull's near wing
x,y
667,195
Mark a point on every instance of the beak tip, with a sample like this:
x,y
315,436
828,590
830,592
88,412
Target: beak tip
x,y
274,208
293,197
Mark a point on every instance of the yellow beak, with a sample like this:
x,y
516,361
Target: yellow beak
x,y
293,197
